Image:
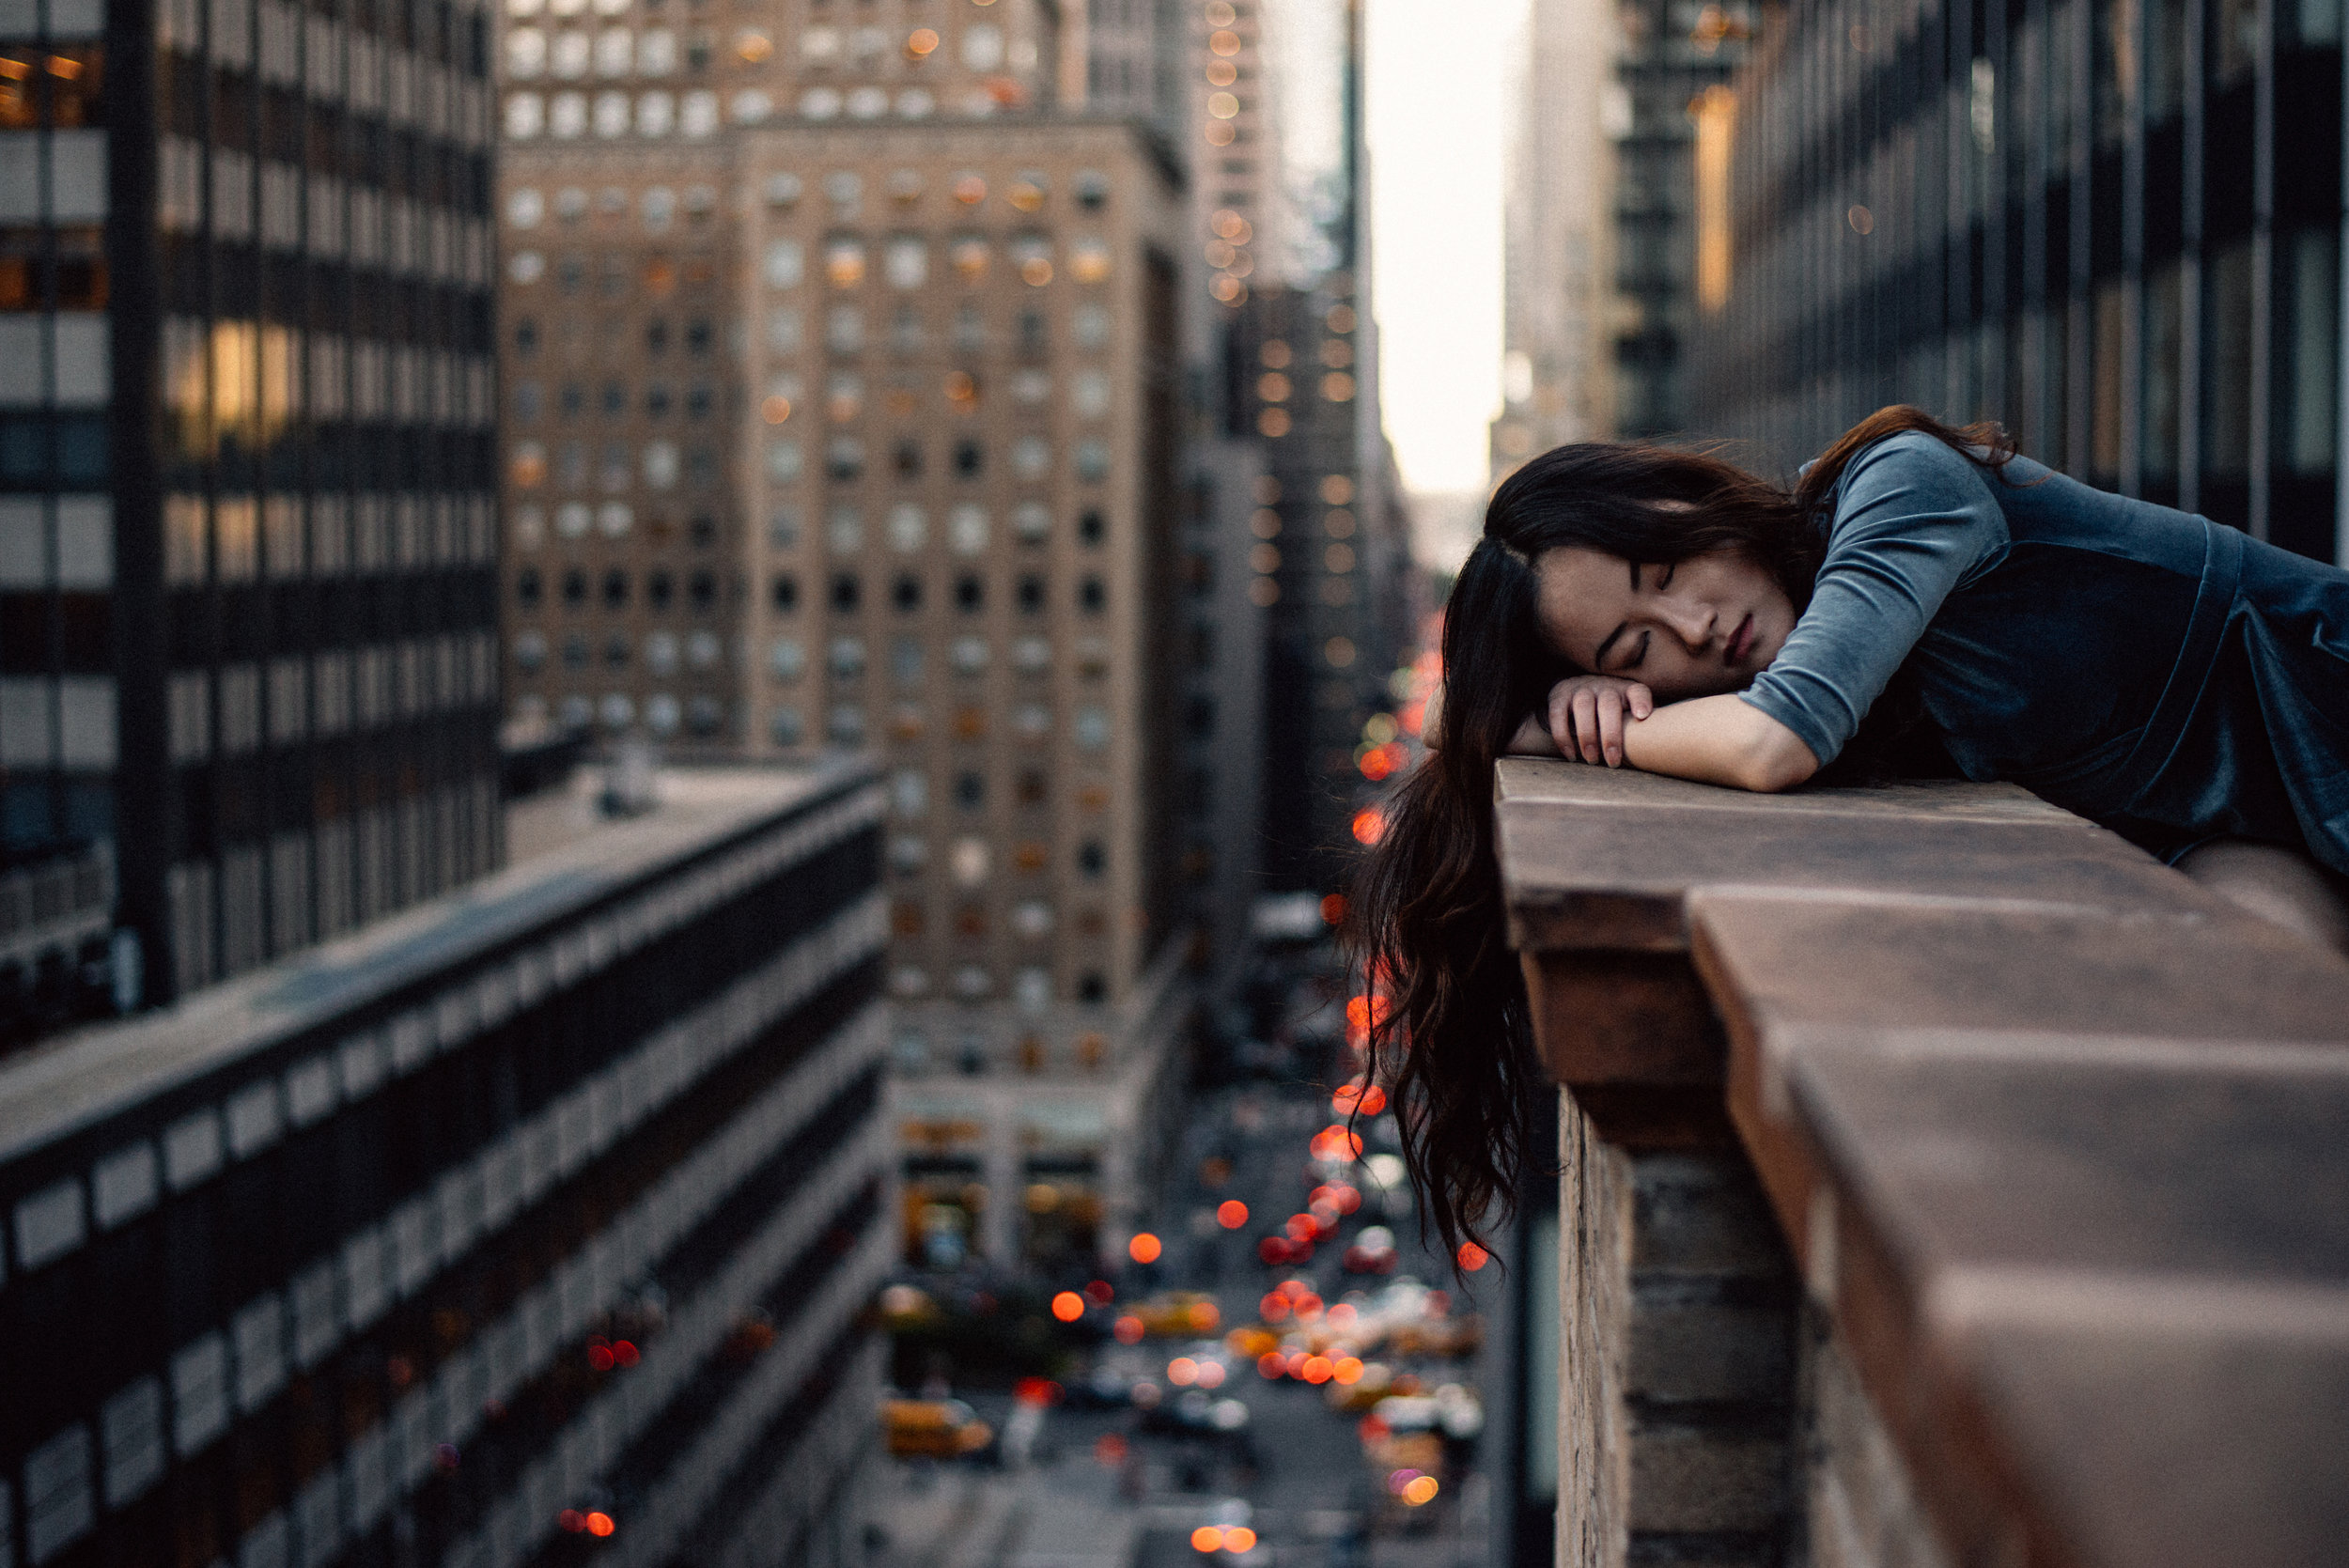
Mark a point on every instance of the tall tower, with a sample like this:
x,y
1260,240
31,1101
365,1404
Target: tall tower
x,y
843,395
1557,381
246,510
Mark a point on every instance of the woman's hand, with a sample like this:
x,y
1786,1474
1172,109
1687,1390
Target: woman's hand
x,y
1587,715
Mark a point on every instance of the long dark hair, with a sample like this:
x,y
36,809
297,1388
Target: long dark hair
x,y
1449,1033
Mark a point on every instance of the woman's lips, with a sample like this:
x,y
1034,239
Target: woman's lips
x,y
1740,642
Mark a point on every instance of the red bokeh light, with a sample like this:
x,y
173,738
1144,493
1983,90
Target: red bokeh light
x,y
600,1523
1473,1257
1143,1248
625,1354
1068,1306
1231,1214
1127,1329
1369,825
599,1356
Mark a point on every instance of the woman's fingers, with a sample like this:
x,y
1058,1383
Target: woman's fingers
x,y
1642,700
1611,708
1586,724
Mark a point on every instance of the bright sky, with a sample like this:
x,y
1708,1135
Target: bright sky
x,y
1434,109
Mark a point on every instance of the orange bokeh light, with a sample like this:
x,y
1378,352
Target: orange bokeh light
x,y
1369,825
600,1523
1231,1214
1420,1489
1347,1369
1272,1364
1317,1370
1207,1538
1144,1248
1473,1257
1182,1371
1127,1329
1239,1538
1068,1306
1332,908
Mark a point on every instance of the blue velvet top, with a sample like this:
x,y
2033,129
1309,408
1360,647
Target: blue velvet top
x,y
2169,678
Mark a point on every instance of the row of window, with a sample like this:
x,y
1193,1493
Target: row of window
x,y
527,206
847,656
904,259
845,330
971,860
664,652
848,724
567,117
910,791
697,335
1031,918
614,519
615,590
694,400
1030,988
907,527
848,458
660,464
846,594
662,713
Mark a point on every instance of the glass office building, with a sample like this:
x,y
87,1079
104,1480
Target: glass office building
x,y
536,1220
247,552
2116,227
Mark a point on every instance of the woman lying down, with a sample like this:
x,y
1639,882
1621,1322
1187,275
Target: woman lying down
x,y
1924,601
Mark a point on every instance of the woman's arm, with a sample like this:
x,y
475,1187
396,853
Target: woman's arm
x,y
1714,739
1719,740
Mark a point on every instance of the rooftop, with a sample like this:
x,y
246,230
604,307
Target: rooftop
x,y
564,856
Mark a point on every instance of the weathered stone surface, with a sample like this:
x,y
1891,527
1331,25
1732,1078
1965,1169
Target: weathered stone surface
x,y
1687,1478
2061,1142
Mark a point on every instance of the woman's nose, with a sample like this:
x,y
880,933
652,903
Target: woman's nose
x,y
1691,621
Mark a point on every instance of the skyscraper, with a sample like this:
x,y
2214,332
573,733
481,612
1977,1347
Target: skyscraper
x,y
246,518
1558,380
844,402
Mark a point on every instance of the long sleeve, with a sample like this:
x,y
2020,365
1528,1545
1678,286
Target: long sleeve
x,y
1912,519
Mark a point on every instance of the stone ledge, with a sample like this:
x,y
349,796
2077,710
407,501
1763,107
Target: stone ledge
x,y
2056,1138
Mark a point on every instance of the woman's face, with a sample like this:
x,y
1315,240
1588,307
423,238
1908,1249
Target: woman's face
x,y
1708,625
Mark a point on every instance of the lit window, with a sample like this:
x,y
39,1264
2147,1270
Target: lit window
x,y
656,112
847,725
847,656
1089,394
843,530
785,264
525,52
908,528
820,104
1030,522
784,461
656,53
526,116
969,256
786,660
844,262
909,792
1031,655
1090,325
969,655
1093,460
786,726
616,51
783,191
906,263
1030,457
966,528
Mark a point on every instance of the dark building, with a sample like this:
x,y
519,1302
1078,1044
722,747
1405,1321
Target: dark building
x,y
1673,51
247,536
542,1212
1331,566
2116,228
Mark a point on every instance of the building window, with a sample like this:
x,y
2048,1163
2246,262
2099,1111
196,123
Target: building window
x,y
574,588
970,791
969,459
1090,529
970,594
527,588
844,457
1031,594
846,593
906,594
1092,596
1092,858
702,591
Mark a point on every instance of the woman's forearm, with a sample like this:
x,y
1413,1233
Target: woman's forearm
x,y
1720,740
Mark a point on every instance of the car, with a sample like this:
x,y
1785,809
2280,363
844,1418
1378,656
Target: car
x,y
933,1429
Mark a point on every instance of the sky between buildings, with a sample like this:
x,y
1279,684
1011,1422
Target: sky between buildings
x,y
1434,109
